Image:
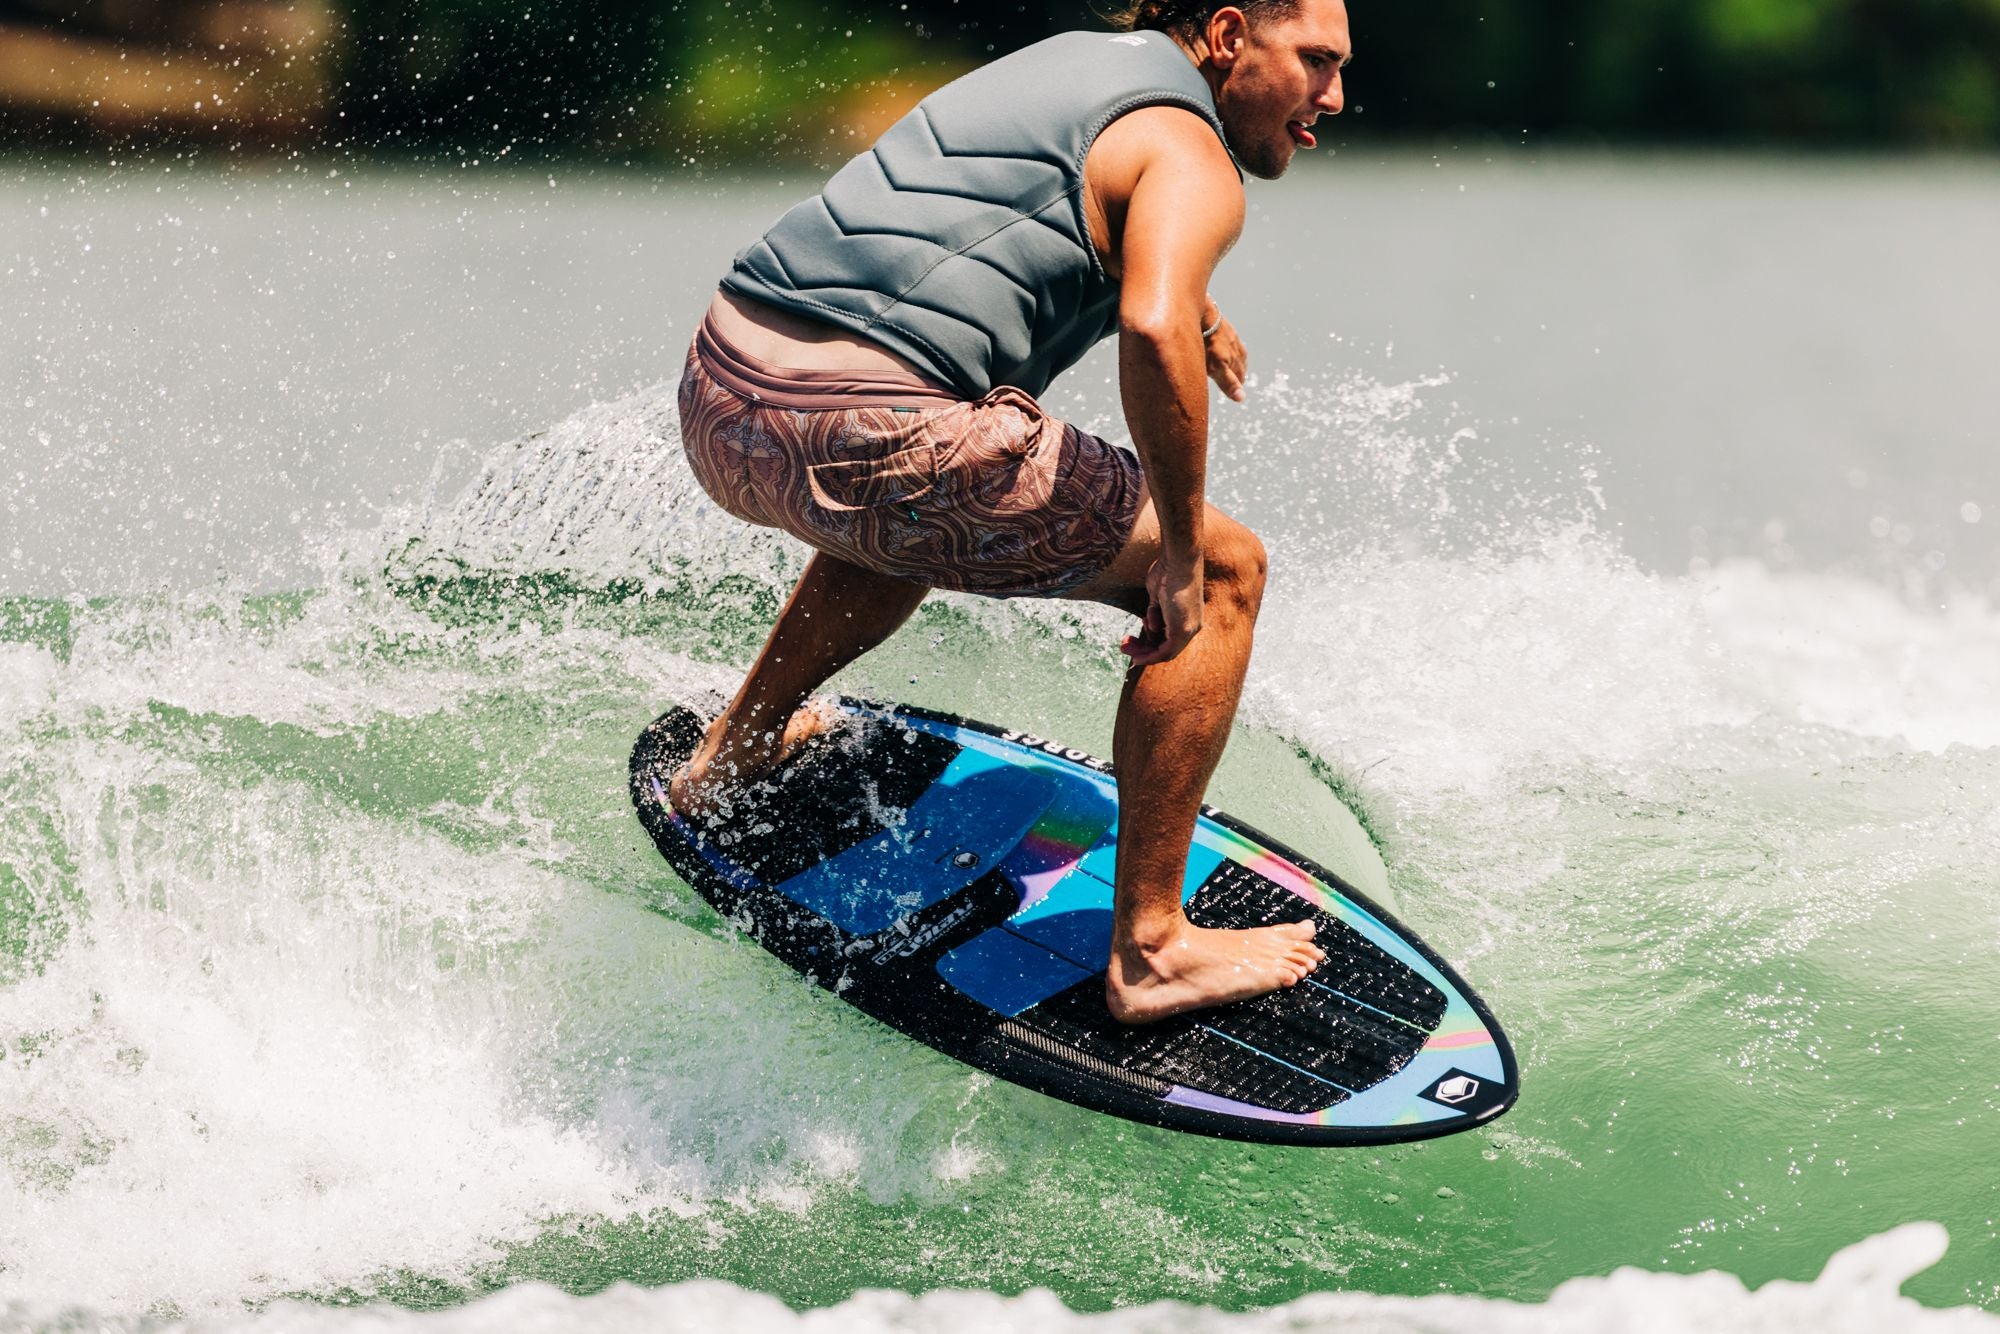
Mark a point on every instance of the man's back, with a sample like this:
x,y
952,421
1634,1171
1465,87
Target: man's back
x,y
960,241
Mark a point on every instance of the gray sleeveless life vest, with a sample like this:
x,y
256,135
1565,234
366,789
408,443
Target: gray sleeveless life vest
x,y
960,240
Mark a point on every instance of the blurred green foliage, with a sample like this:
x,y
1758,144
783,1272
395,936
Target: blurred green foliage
x,y
1797,71
725,81
691,80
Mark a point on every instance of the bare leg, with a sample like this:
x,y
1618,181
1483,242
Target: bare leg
x,y
837,613
1173,720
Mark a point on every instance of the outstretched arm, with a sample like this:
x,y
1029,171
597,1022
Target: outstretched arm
x,y
1185,211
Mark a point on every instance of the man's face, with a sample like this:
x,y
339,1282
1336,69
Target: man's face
x,y
1279,76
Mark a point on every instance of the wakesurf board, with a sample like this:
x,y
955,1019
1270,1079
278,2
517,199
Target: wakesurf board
x,y
954,881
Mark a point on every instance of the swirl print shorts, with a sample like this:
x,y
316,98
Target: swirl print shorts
x,y
991,496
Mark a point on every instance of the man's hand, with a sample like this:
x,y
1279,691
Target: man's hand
x,y
1173,610
1228,359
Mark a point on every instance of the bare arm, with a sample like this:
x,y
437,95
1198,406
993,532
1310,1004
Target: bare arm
x,y
1184,210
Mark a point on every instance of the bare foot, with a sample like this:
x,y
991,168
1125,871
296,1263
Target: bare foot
x,y
1196,966
723,763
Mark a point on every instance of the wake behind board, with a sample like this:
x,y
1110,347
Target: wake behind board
x,y
954,881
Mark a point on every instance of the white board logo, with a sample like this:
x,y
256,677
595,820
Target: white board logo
x,y
1130,39
1056,748
1457,1089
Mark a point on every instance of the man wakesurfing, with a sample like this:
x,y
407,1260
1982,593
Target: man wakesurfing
x,y
866,377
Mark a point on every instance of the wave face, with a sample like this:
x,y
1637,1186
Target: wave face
x,y
334,969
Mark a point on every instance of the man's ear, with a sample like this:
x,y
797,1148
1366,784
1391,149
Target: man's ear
x,y
1228,33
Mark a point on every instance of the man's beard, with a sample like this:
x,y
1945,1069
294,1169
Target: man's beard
x,y
1266,161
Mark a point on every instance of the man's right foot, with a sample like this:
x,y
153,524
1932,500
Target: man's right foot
x,y
1197,967
722,763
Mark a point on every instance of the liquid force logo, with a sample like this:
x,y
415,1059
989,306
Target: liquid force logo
x,y
1455,1088
1462,1089
1033,742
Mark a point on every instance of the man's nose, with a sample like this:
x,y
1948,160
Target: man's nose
x,y
1332,100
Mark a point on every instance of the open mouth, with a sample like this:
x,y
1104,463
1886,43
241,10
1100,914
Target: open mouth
x,y
1301,136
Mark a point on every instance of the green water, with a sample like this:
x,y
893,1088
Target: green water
x,y
1744,978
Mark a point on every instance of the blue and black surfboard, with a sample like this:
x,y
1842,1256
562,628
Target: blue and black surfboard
x,y
954,881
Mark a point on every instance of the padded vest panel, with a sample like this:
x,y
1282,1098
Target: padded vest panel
x,y
959,240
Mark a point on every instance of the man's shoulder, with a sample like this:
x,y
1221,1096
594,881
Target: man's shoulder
x,y
1164,134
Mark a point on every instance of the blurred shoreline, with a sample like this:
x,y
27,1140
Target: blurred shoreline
x,y
109,160
235,68
810,82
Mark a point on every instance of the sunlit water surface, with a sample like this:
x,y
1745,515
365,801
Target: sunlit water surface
x,y
334,969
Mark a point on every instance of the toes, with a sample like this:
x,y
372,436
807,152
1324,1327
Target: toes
x,y
1289,968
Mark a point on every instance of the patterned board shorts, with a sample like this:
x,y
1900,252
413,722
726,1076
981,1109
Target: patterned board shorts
x,y
990,496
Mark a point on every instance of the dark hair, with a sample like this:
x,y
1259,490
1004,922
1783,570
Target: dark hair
x,y
1185,18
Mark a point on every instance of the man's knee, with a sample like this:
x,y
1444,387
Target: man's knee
x,y
1235,566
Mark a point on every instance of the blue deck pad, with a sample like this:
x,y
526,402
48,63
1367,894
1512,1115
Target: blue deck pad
x,y
1074,917
962,825
1006,973
1102,862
